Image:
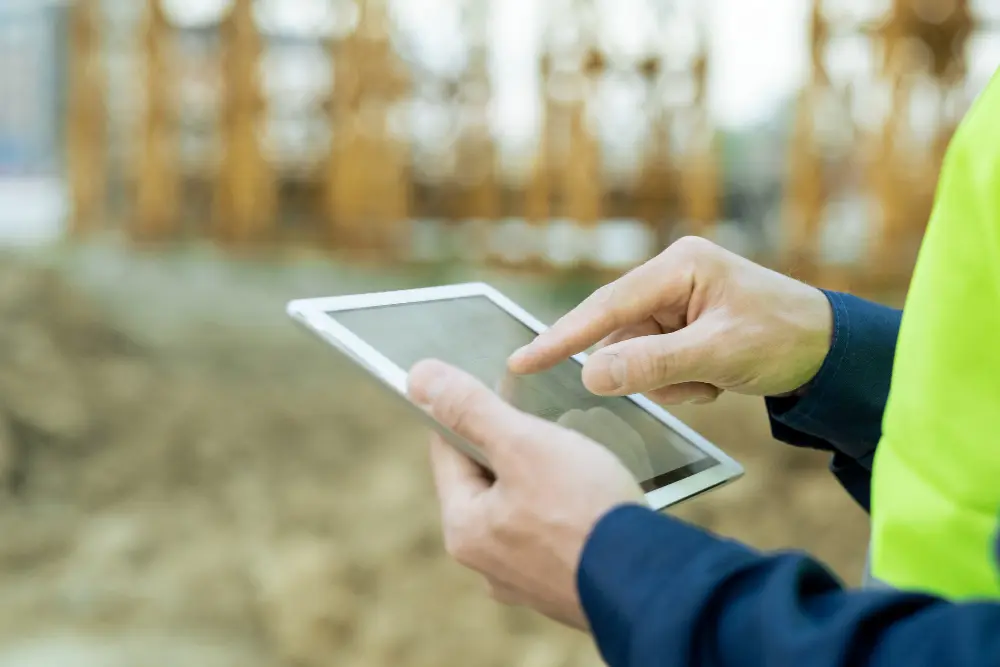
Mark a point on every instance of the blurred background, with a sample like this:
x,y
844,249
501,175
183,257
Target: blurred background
x,y
186,478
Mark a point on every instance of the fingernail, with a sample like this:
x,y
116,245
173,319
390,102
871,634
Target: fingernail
x,y
700,400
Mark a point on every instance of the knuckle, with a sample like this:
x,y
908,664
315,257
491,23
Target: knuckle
x,y
605,294
609,301
693,252
694,246
650,367
691,256
460,408
604,297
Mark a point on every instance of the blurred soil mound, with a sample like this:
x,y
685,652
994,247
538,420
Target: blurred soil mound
x,y
244,500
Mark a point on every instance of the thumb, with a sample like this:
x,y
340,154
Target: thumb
x,y
644,364
465,405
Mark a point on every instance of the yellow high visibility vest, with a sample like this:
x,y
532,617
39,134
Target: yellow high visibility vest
x,y
936,479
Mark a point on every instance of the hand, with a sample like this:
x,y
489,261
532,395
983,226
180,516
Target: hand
x,y
525,530
693,322
599,424
608,429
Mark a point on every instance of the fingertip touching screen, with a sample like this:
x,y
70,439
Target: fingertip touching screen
x,y
477,335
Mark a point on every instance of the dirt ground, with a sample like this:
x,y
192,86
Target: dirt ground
x,y
189,479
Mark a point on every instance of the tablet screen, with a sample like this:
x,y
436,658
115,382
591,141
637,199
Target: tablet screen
x,y
477,335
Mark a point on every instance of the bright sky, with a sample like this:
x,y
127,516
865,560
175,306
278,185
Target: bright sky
x,y
760,56
757,46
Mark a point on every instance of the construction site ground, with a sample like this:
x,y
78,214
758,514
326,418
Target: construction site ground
x,y
189,479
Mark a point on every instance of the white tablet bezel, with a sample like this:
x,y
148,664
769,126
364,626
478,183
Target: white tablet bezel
x,y
314,314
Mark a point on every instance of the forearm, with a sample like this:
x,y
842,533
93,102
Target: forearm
x,y
660,593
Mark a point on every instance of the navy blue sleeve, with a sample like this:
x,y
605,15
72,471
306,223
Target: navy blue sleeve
x,y
841,409
660,593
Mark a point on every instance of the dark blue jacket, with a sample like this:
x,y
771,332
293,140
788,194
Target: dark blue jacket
x,y
661,593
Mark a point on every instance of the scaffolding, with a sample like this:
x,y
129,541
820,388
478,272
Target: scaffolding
x,y
157,192
867,138
367,190
895,114
246,202
86,134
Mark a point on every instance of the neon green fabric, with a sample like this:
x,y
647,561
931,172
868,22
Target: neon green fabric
x,y
936,479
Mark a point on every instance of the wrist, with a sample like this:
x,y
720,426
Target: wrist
x,y
812,341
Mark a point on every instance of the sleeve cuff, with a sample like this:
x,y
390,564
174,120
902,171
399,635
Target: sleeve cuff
x,y
633,555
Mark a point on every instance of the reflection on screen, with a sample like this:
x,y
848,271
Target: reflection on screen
x,y
475,334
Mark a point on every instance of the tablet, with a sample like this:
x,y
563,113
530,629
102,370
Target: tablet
x,y
476,328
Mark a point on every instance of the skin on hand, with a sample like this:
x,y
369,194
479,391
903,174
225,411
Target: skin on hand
x,y
606,428
599,424
689,324
524,531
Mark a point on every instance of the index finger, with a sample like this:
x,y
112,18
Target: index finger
x,y
622,303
